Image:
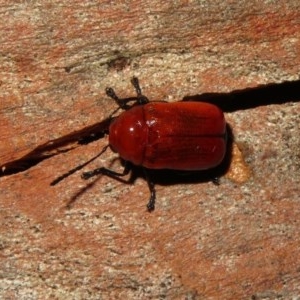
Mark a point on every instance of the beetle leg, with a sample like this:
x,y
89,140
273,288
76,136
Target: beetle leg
x,y
106,172
70,172
216,181
151,203
116,175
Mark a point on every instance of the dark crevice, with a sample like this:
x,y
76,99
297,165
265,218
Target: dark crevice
x,y
252,97
54,147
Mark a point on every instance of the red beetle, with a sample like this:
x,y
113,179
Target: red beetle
x,y
181,136
184,136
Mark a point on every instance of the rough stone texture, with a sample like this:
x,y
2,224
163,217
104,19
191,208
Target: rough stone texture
x,y
233,241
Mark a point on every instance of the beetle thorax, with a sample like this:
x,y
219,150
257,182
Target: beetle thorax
x,y
128,135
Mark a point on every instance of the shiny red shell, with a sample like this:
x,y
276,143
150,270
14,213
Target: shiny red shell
x,y
179,136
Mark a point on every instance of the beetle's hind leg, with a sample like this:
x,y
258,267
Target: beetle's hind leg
x,y
151,203
117,175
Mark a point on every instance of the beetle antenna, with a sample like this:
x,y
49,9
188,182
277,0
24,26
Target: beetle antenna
x,y
123,102
79,167
141,99
136,85
111,93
